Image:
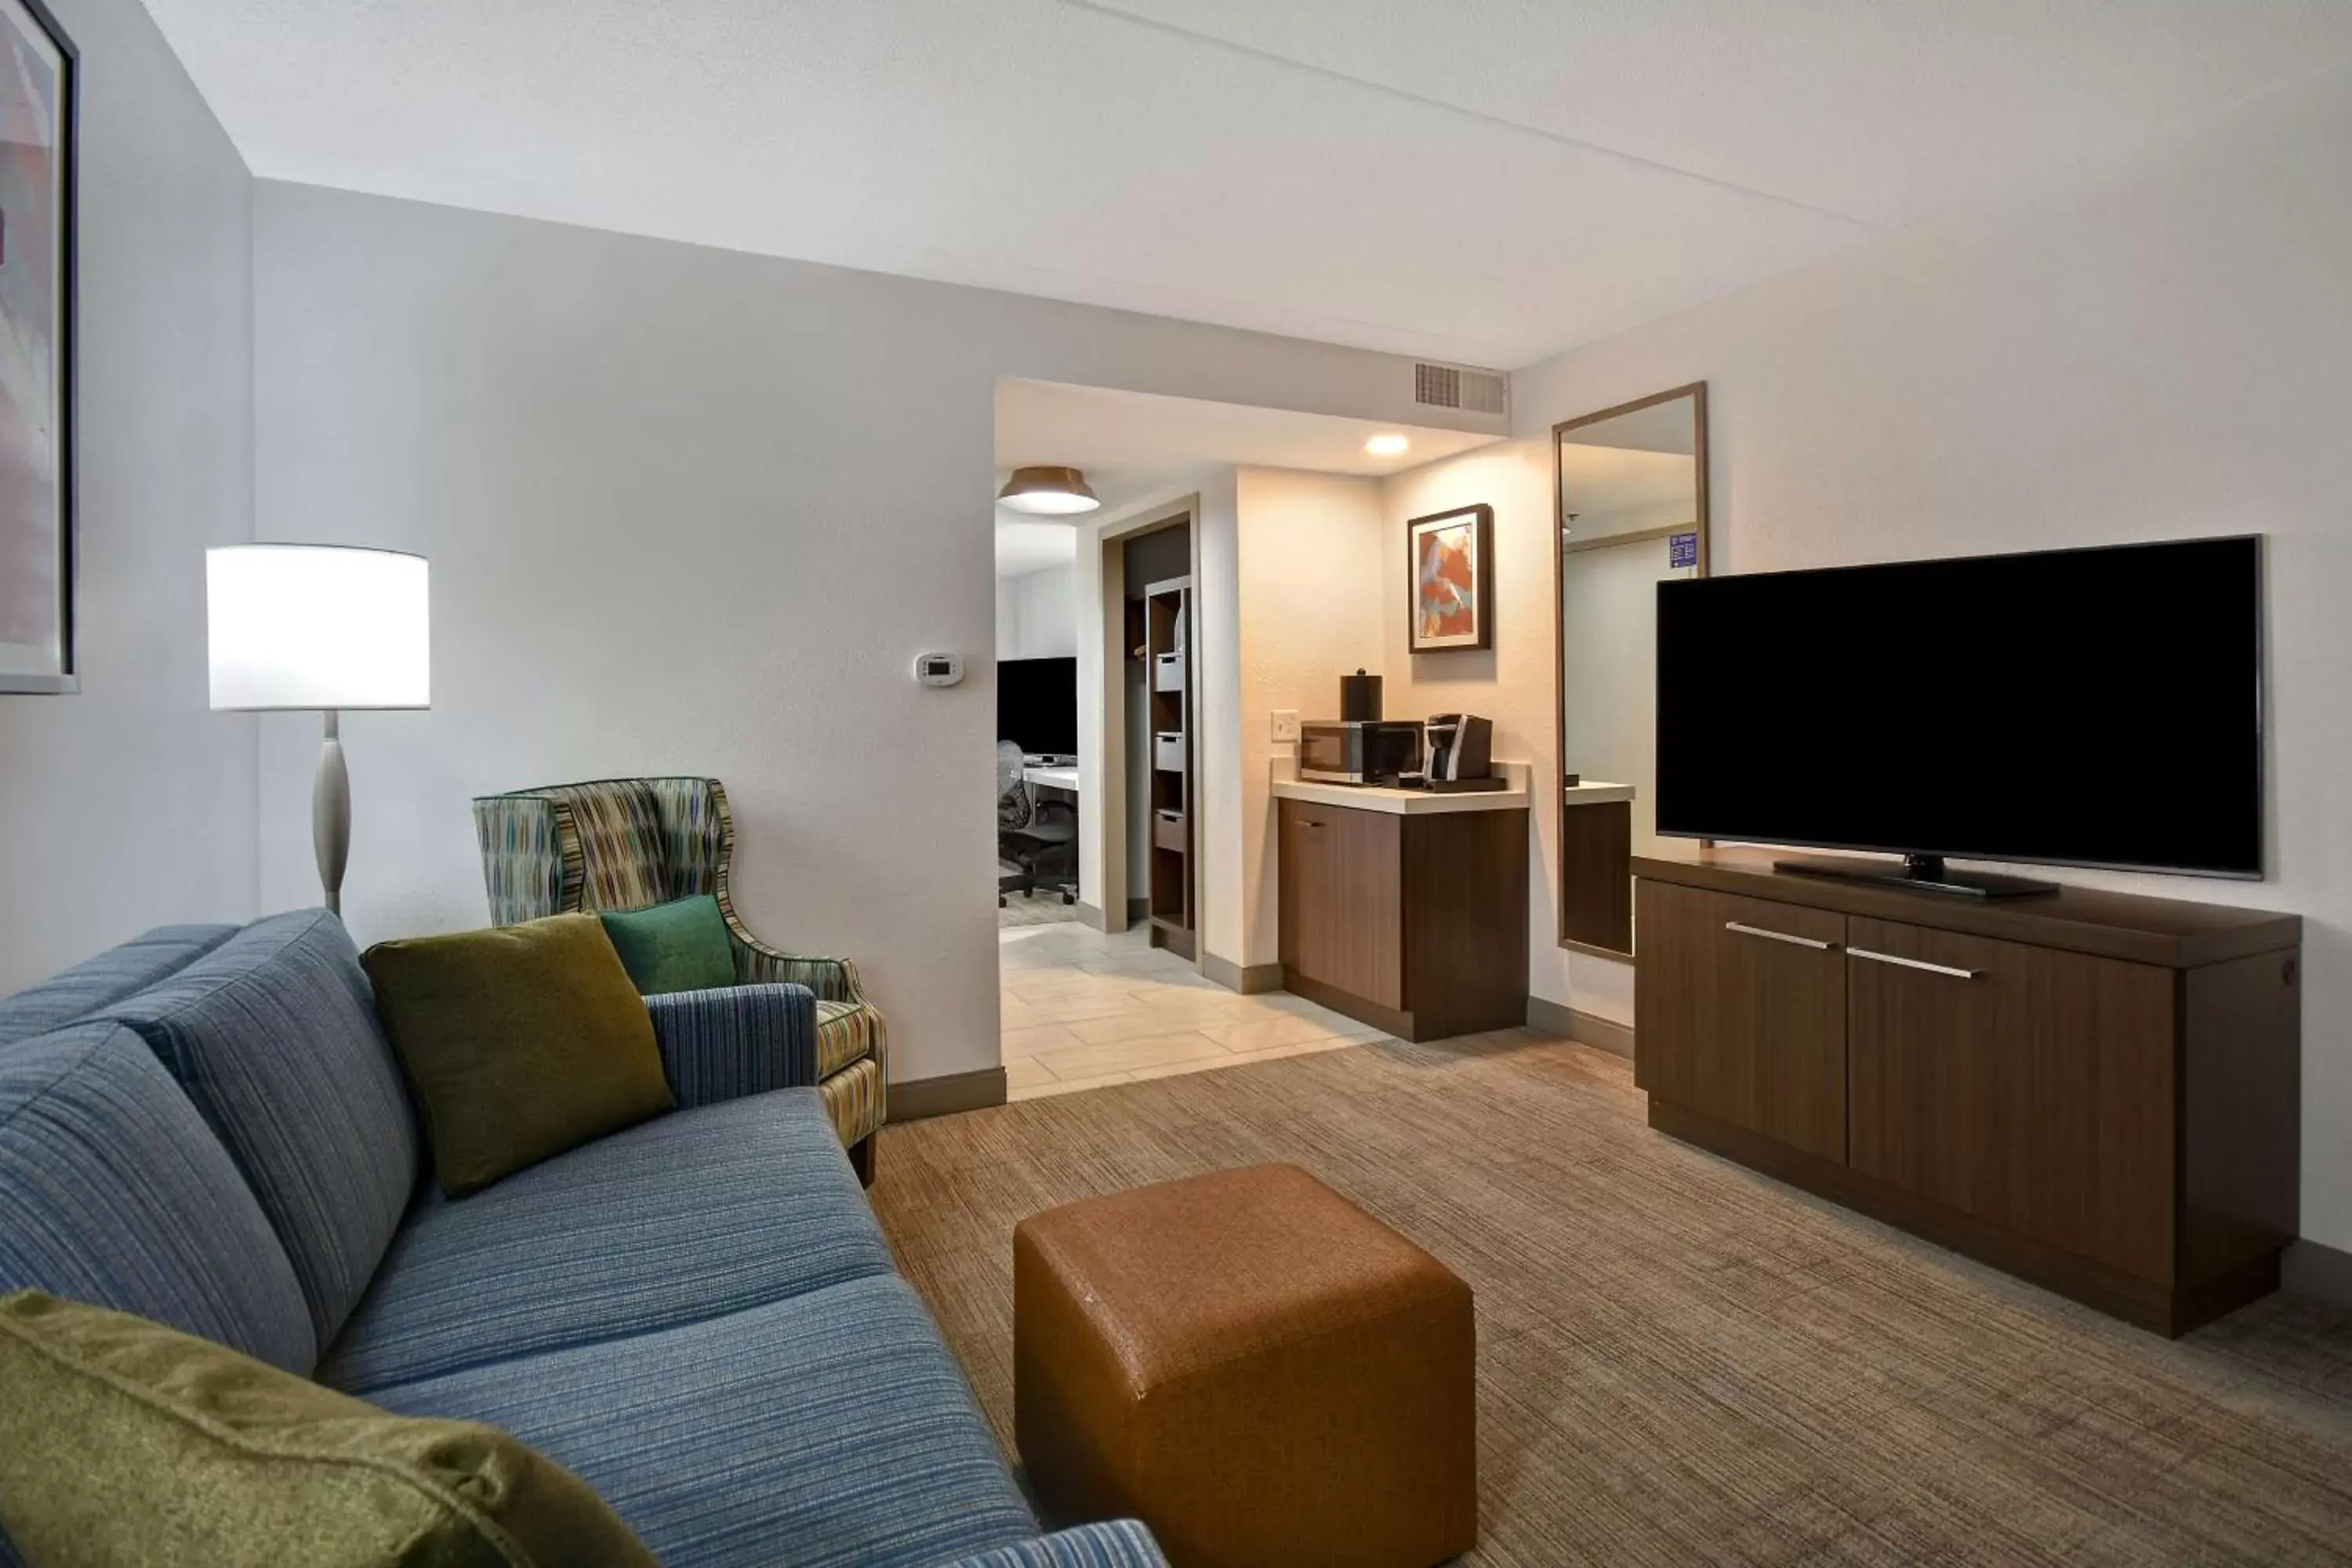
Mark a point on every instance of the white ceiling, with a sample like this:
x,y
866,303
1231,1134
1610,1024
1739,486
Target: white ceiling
x,y
1136,444
1024,546
1111,433
1487,180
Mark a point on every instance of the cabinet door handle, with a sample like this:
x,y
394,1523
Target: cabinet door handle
x,y
1920,964
1778,936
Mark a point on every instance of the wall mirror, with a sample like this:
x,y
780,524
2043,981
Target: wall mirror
x,y
1630,494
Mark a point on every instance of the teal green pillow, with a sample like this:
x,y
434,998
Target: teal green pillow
x,y
681,945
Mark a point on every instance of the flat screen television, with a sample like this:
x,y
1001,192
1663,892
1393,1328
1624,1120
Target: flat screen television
x,y
1038,705
2095,707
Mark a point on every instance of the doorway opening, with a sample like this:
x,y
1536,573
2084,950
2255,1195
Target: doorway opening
x,y
1161,737
1236,565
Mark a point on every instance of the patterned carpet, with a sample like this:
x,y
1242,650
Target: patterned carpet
x,y
1683,1361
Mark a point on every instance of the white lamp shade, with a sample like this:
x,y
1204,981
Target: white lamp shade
x,y
317,626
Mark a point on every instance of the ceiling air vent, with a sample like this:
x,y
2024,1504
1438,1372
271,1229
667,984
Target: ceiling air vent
x,y
1459,386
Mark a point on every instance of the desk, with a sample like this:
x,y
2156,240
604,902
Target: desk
x,y
1051,778
1051,842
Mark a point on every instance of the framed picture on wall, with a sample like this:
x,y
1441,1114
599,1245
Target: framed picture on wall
x,y
40,95
1451,579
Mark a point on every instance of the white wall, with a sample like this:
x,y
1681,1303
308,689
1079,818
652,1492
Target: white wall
x,y
688,509
1037,614
2162,349
130,805
1310,597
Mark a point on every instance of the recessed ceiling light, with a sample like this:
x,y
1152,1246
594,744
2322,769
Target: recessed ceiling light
x,y
1048,492
1386,445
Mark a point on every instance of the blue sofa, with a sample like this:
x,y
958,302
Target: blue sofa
x,y
697,1315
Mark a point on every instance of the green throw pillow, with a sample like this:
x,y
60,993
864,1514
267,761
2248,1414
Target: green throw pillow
x,y
520,1042
124,1441
681,945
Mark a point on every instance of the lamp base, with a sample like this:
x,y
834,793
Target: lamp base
x,y
330,815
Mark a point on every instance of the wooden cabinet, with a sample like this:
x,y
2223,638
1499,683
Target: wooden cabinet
x,y
2095,1091
1342,880
1742,1016
2027,1087
1596,872
1414,923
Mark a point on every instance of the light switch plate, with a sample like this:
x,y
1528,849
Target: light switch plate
x,y
1286,723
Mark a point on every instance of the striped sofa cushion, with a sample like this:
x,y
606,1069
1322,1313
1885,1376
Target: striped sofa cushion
x,y
734,1040
1119,1543
827,1431
274,1036
688,1216
101,982
113,1190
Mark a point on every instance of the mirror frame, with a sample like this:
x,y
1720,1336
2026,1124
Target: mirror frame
x,y
1561,551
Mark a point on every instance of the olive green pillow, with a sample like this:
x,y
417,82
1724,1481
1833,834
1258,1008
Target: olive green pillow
x,y
681,945
520,1042
124,1441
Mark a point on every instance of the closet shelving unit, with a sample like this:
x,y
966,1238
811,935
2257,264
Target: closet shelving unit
x,y
1169,685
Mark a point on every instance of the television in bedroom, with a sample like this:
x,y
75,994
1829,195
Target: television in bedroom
x,y
1038,705
2097,706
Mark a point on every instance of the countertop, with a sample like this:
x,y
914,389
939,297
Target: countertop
x,y
1592,792
1404,802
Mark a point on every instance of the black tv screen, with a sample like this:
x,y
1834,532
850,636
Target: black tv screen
x,y
1038,705
2079,707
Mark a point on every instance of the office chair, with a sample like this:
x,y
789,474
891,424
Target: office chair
x,y
1036,841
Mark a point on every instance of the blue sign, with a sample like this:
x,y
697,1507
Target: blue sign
x,y
1682,550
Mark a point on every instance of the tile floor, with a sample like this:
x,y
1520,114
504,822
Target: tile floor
x,y
1081,1010
1033,910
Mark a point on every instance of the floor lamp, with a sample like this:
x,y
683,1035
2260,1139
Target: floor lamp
x,y
319,628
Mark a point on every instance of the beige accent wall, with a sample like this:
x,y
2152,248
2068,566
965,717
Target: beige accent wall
x,y
1513,683
1310,589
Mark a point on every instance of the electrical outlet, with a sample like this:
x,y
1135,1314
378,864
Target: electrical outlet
x,y
1286,723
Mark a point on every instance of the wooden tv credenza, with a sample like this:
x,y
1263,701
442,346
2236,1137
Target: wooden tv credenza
x,y
2095,1091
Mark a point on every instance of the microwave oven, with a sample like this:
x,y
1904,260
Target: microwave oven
x,y
1358,751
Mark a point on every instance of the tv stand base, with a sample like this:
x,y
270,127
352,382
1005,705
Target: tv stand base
x,y
1920,874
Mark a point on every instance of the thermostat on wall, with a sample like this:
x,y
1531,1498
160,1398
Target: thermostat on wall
x,y
939,668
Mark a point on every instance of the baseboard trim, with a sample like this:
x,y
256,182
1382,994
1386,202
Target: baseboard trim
x,y
946,1095
1585,1028
2315,1269
1090,915
1251,981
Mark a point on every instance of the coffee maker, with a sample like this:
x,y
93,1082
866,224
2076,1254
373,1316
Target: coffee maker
x,y
1459,747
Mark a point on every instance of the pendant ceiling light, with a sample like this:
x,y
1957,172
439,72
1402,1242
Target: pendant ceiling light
x,y
1048,492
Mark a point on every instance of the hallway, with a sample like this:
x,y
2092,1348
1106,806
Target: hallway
x,y
1082,1009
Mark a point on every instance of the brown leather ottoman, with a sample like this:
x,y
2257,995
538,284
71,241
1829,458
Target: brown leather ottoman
x,y
1257,1369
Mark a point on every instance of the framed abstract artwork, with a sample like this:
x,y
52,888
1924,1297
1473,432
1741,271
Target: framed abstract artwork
x,y
39,94
1452,579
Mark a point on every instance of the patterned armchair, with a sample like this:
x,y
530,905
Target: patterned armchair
x,y
623,843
